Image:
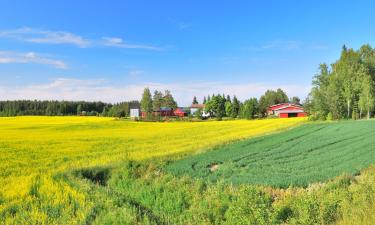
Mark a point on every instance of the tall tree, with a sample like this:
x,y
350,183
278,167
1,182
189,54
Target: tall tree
x,y
228,98
157,100
228,108
249,108
146,102
168,100
295,100
235,107
216,106
366,97
195,100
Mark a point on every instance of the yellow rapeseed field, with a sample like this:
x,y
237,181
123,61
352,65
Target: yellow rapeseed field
x,y
34,150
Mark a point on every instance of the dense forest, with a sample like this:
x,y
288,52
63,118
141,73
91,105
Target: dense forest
x,y
64,108
344,90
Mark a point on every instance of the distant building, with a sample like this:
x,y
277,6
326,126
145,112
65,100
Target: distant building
x,y
286,110
195,107
163,111
181,112
135,113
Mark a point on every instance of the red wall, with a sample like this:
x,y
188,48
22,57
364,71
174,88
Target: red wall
x,y
283,115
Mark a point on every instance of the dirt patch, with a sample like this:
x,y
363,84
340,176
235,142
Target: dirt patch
x,y
213,167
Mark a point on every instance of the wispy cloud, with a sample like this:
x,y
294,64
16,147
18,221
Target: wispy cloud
x,y
119,43
100,90
45,36
7,57
286,45
41,36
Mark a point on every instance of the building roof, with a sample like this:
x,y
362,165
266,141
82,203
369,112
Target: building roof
x,y
198,106
283,106
182,109
166,109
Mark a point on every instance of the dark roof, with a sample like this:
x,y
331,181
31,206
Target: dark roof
x,y
165,108
183,109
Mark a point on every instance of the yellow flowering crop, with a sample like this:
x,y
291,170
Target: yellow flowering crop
x,y
34,149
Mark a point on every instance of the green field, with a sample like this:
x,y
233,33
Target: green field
x,y
306,154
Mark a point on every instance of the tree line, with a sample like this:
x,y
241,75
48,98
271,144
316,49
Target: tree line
x,y
220,106
345,89
65,108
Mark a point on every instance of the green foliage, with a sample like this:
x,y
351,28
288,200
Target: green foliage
x,y
168,100
146,101
347,89
216,106
271,98
49,108
228,108
286,159
235,107
249,109
250,206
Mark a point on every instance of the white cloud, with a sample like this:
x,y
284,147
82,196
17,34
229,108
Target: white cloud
x,y
30,58
119,43
46,36
41,36
99,90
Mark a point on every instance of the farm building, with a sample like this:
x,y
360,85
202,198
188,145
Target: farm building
x,y
196,107
286,110
163,111
181,112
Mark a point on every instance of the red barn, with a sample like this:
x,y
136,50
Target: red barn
x,y
180,112
286,110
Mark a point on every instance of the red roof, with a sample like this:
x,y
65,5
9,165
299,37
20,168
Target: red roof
x,y
286,107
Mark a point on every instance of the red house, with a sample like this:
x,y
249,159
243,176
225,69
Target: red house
x,y
286,110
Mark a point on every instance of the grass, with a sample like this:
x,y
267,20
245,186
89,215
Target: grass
x,y
303,155
41,156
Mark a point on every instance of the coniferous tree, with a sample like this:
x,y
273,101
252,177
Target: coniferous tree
x,y
195,100
235,107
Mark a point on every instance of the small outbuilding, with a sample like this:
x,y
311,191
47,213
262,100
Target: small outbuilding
x,y
181,112
135,113
286,110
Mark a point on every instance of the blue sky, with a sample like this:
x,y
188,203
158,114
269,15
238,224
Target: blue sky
x,y
109,51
